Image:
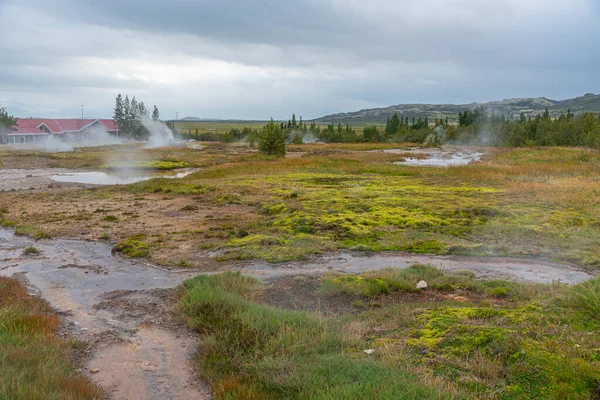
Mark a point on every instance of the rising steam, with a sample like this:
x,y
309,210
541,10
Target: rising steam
x,y
160,134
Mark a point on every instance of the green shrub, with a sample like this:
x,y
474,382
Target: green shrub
x,y
272,140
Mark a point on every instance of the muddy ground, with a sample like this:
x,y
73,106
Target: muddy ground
x,y
135,345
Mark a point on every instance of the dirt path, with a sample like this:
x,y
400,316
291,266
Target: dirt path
x,y
122,308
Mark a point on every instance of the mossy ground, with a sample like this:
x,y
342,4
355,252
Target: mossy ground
x,y
453,340
538,202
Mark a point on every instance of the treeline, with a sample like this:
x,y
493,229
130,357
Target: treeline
x,y
478,127
475,127
129,116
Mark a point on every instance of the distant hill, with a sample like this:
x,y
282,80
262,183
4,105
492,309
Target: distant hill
x,y
509,107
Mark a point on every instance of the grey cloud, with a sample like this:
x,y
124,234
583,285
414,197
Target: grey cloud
x,y
308,56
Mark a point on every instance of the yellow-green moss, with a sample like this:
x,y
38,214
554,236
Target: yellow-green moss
x,y
134,246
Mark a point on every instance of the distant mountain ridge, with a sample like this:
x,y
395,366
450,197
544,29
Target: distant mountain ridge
x,y
509,107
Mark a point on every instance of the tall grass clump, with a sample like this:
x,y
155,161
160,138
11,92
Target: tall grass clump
x,y
585,297
252,351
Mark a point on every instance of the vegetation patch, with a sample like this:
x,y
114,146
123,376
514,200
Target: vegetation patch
x,y
165,164
257,352
110,218
34,362
540,344
527,202
134,246
31,232
31,251
499,346
389,280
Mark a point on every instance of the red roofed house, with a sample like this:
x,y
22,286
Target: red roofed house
x,y
38,129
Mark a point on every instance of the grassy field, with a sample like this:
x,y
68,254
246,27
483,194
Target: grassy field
x,y
520,203
217,127
458,339
531,202
226,126
34,363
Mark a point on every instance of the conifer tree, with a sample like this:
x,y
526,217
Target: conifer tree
x,y
7,122
119,113
272,140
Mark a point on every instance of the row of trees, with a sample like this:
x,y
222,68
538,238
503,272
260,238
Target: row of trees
x,y
475,127
541,130
129,114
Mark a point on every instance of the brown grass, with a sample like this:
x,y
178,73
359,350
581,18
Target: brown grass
x,y
34,363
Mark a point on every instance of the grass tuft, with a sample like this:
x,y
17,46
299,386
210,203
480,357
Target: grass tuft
x,y
31,232
585,297
31,251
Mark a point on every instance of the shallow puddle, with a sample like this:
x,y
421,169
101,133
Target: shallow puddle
x,y
103,178
437,157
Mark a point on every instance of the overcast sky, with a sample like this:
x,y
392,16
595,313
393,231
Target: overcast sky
x,y
269,58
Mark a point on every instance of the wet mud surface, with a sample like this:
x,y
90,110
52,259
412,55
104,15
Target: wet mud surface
x,y
516,269
25,179
48,178
137,348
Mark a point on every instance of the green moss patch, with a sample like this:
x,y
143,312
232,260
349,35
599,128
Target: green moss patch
x,y
134,246
149,164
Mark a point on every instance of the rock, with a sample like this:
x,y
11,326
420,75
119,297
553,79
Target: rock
x,y
145,365
94,370
421,285
370,351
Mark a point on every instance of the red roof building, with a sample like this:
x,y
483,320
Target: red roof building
x,y
37,129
